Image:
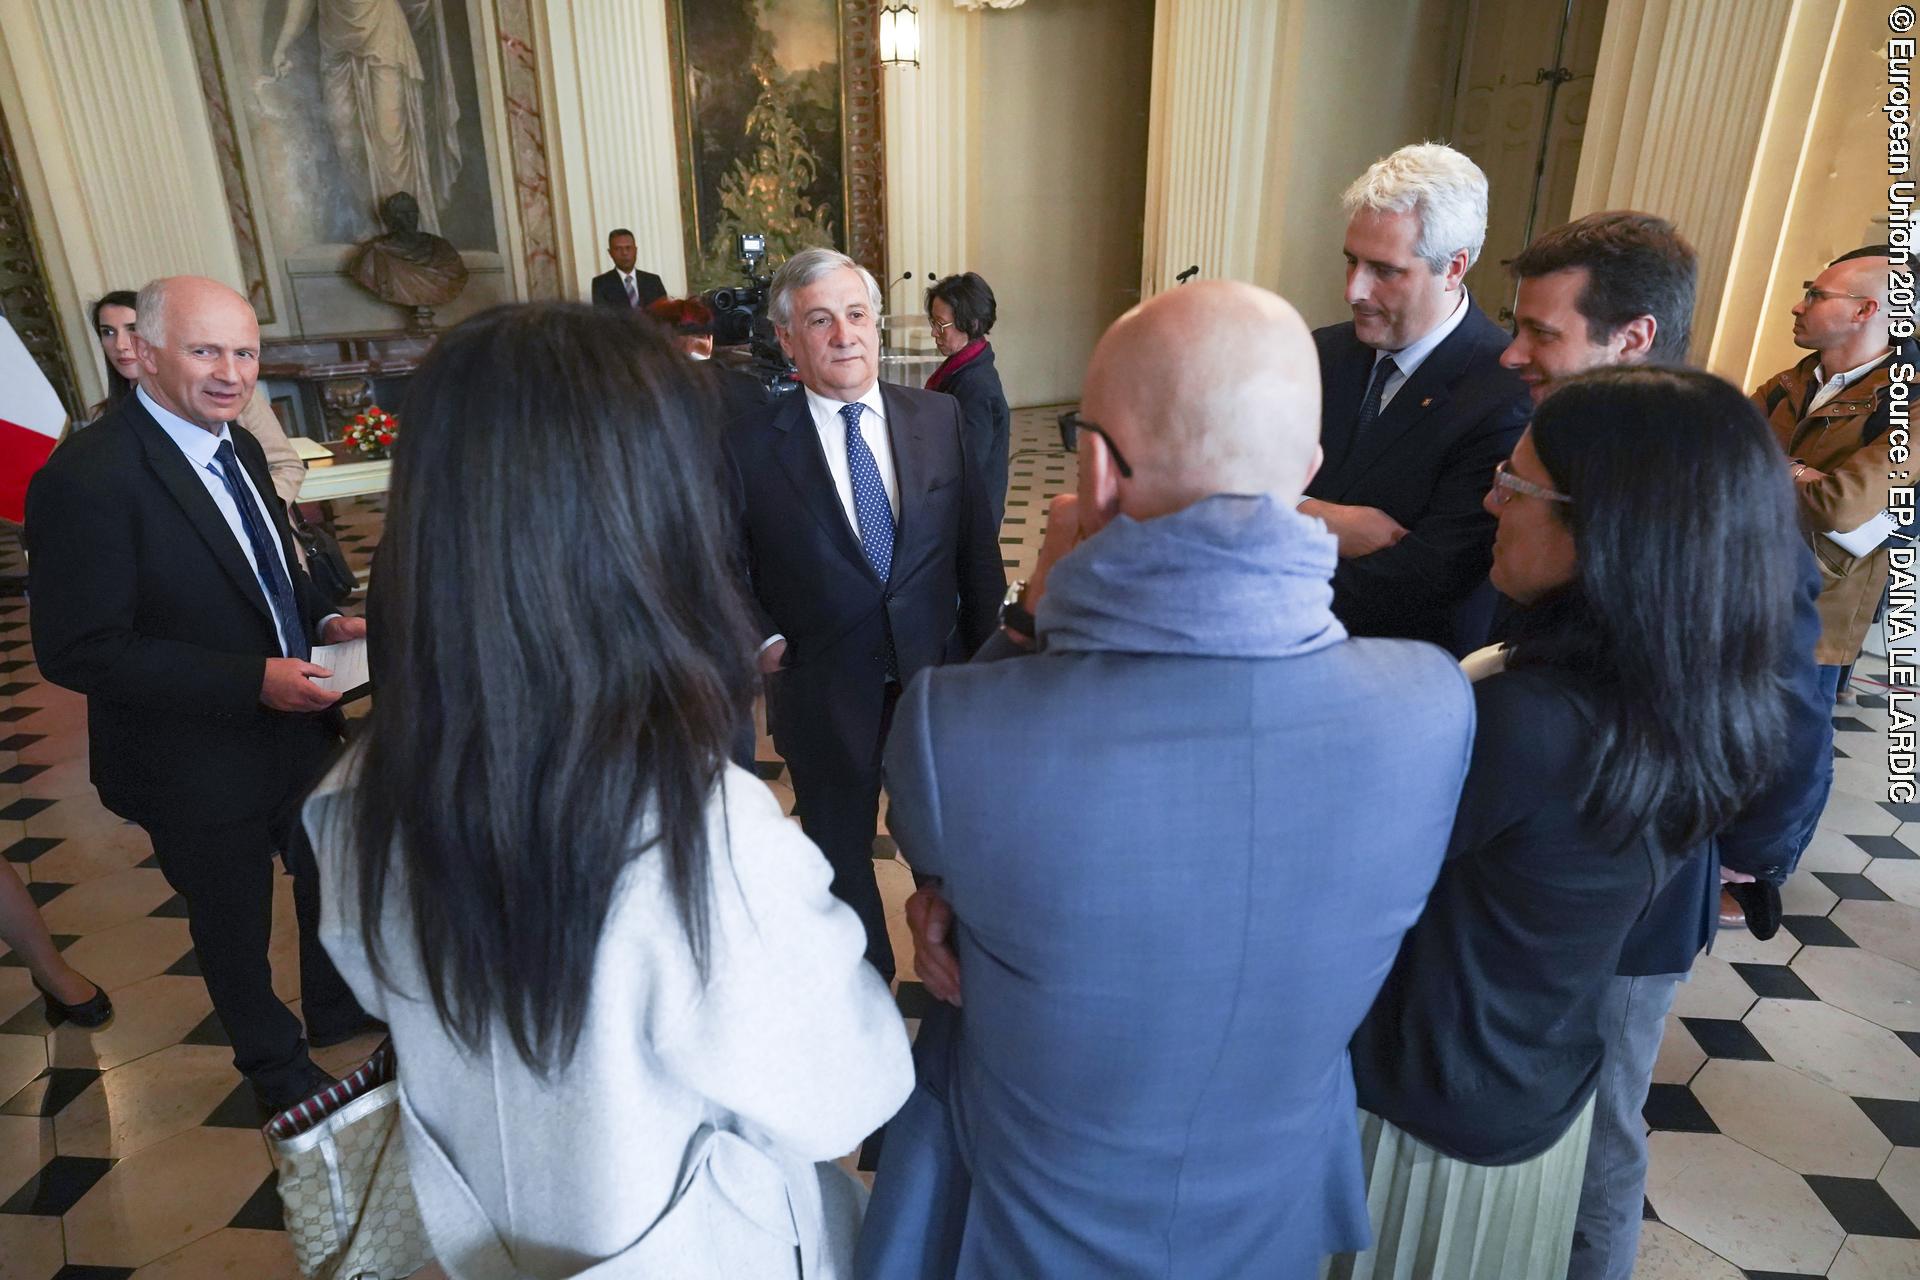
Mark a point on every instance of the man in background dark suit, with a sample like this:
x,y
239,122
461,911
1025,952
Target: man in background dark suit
x,y
1417,411
624,286
165,588
871,553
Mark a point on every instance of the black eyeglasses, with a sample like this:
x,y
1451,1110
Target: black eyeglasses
x,y
1072,424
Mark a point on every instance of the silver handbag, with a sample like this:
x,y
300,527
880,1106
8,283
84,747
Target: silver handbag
x,y
344,1181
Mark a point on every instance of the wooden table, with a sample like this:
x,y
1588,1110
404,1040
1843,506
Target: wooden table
x,y
346,480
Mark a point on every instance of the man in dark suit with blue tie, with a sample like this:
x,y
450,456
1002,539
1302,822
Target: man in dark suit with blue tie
x,y
871,553
165,589
1417,411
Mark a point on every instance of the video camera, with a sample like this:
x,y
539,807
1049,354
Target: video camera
x,y
740,317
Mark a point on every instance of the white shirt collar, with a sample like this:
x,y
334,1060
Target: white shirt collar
x,y
1841,381
1414,354
828,407
199,444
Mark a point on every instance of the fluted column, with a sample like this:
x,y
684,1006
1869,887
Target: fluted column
x,y
929,110
613,110
1209,148
104,103
1680,98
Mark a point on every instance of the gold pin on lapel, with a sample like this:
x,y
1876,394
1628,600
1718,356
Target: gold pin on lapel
x,y
1426,402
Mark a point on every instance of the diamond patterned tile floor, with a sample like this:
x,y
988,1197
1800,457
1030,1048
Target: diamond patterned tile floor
x,y
1773,1103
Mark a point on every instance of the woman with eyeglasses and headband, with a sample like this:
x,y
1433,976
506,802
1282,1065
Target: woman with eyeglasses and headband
x,y
1647,535
961,310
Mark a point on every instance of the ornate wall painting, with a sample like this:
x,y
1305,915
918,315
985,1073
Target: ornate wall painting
x,y
776,113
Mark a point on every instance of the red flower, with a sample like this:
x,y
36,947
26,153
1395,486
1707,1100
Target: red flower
x,y
386,437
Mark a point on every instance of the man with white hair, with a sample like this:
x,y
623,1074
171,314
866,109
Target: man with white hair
x,y
871,552
1417,411
166,589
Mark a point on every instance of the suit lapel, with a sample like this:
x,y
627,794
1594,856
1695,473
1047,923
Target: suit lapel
x,y
1419,397
797,445
912,468
1344,386
176,476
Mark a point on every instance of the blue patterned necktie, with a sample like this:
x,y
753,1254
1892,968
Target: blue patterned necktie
x,y
870,507
266,557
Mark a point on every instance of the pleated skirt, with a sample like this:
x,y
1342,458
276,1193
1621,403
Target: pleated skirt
x,y
1437,1218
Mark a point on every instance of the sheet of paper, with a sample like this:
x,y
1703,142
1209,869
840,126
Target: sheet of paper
x,y
1867,538
348,662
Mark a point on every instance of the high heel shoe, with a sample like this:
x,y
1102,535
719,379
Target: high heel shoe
x,y
90,1014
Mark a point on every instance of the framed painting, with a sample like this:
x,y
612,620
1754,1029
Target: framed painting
x,y
776,112
322,108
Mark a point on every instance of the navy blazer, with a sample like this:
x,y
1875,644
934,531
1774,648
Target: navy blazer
x,y
1178,882
810,582
144,602
1427,461
983,406
1767,838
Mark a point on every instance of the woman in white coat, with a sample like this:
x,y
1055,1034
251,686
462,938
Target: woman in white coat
x,y
632,1024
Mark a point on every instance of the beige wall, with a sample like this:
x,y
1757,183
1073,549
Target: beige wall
x,y
1821,188
1366,76
1056,182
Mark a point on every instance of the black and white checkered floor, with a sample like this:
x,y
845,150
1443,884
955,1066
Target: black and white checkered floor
x,y
1786,1112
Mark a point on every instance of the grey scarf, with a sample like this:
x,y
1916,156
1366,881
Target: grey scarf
x,y
1232,576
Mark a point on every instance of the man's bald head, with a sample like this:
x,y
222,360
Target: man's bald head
x,y
1844,315
1210,388
199,348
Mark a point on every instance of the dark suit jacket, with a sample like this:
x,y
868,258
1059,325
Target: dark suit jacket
x,y
811,583
609,292
144,602
1427,462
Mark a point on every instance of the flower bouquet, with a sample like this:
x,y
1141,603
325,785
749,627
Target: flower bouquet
x,y
371,433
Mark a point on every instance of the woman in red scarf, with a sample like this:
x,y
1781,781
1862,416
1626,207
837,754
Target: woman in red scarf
x,y
962,311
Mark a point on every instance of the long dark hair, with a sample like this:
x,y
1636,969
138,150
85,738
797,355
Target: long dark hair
x,y
562,655
1681,610
117,384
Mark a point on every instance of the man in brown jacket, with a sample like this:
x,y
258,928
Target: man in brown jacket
x,y
1830,414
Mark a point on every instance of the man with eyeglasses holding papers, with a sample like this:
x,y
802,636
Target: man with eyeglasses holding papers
x,y
1831,414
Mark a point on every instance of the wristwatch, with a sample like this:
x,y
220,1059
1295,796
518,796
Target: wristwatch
x,y
1014,616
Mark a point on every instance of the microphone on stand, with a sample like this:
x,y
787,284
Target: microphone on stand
x,y
1188,274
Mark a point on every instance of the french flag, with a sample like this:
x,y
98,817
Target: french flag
x,y
31,420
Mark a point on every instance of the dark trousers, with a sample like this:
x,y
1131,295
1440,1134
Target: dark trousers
x,y
839,808
225,873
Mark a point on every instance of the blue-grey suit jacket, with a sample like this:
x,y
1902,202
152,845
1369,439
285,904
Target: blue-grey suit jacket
x,y
1179,883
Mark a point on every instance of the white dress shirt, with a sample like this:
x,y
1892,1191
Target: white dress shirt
x,y
1831,387
1409,358
832,429
200,445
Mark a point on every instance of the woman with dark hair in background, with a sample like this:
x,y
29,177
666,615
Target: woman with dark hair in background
x,y
629,1015
1647,534
115,324
962,311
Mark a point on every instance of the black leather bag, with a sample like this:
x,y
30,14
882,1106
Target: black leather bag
x,y
326,563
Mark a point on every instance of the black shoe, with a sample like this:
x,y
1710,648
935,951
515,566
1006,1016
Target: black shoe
x,y
326,1038
91,1014
1761,901
295,1086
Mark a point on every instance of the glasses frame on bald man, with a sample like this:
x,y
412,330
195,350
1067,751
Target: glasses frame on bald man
x,y
1072,424
1813,295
